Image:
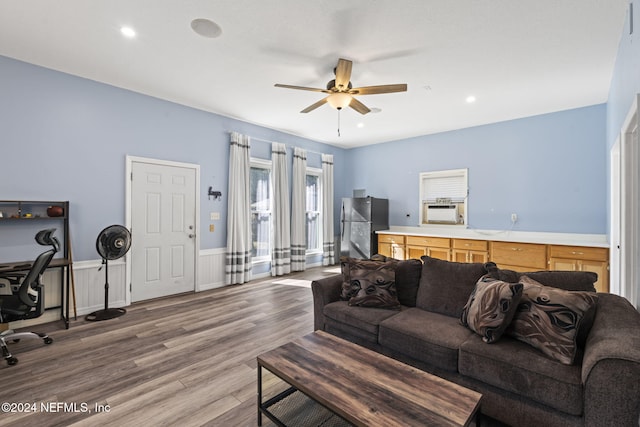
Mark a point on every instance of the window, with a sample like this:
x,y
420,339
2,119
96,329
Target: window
x,y
260,182
314,210
443,197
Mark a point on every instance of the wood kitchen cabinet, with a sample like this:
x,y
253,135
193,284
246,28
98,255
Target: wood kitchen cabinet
x,y
467,250
435,247
519,256
580,258
391,245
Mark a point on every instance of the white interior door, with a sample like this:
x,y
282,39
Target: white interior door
x,y
163,228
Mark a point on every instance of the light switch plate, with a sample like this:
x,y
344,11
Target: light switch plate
x,y
215,216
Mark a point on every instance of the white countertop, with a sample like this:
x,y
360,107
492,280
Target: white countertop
x,y
572,239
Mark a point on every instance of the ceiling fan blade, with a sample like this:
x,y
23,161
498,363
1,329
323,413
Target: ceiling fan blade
x,y
316,105
343,74
372,90
312,89
359,106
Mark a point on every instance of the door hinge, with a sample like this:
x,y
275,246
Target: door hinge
x,y
131,176
130,287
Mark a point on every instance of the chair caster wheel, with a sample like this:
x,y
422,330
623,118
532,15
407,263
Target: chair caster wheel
x,y
12,361
48,340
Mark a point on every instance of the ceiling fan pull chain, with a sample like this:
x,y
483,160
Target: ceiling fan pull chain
x,y
339,109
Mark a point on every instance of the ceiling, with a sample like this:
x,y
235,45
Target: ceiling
x,y
517,57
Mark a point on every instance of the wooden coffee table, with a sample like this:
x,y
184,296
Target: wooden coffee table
x,y
364,387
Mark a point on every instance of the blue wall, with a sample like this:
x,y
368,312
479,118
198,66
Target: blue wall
x,y
67,138
625,83
549,169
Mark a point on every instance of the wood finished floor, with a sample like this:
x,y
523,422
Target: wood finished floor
x,y
187,360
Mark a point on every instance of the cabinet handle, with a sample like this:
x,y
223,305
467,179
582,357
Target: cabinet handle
x,y
577,253
516,249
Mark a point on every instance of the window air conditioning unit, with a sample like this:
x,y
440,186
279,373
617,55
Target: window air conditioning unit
x,y
442,214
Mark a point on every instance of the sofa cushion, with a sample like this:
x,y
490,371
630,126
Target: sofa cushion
x,y
518,368
428,337
408,280
445,286
369,283
491,307
362,322
549,319
567,280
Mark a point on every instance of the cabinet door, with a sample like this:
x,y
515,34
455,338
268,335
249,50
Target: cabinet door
x,y
415,252
478,256
385,249
601,268
459,255
440,253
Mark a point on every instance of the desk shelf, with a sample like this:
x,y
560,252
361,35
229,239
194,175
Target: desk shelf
x,y
22,212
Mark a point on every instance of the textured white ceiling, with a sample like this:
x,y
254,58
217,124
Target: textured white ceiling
x,y
518,57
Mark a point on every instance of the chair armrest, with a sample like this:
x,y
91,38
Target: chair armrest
x,y
611,364
325,291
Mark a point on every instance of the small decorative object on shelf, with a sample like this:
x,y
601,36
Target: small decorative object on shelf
x,y
54,211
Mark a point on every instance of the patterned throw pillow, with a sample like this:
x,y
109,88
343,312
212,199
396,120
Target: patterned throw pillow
x,y
549,318
491,307
369,283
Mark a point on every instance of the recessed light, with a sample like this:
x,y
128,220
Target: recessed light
x,y
360,125
128,32
471,99
206,28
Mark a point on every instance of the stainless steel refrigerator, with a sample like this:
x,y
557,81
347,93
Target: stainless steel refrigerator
x,y
360,218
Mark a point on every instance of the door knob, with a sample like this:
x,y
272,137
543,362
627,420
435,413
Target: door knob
x,y
191,236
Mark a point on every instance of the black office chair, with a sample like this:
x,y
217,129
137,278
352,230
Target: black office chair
x,y
26,300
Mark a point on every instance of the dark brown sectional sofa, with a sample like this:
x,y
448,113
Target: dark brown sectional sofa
x,y
521,385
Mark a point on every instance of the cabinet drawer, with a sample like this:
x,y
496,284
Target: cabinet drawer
x,y
579,252
435,242
472,245
391,238
529,255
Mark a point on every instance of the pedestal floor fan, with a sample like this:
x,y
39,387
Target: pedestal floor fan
x,y
112,243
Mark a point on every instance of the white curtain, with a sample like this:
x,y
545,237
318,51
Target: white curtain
x,y
281,250
238,257
298,210
328,256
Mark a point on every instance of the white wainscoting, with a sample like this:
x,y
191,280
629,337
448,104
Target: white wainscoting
x,y
89,282
211,269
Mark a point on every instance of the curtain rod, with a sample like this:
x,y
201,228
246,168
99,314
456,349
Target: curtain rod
x,y
271,142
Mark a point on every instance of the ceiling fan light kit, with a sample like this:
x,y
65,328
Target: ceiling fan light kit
x,y
339,100
341,91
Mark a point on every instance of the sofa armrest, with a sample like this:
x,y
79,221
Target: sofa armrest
x,y
611,364
325,291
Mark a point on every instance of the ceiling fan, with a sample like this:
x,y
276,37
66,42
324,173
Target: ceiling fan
x,y
341,92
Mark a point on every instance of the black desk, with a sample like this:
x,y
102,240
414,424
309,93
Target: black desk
x,y
61,263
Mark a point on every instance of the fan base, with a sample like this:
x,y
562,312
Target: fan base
x,y
106,314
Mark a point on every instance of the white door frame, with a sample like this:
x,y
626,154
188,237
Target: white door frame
x,y
615,220
129,170
630,208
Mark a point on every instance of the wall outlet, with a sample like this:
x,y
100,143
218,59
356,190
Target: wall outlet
x,y
514,218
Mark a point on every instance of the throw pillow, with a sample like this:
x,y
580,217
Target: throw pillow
x,y
491,307
549,319
371,284
445,286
